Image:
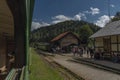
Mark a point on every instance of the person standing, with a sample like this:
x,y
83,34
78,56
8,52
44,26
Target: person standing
x,y
73,51
81,52
87,51
91,52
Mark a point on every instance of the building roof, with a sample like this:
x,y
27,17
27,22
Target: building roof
x,y
63,35
112,28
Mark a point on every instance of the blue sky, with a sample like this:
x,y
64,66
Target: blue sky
x,y
47,12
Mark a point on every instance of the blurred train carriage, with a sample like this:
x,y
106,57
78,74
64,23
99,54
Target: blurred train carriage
x,y
15,22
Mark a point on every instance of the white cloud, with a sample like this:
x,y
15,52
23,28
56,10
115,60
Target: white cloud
x,y
61,18
36,25
79,16
112,5
103,20
57,19
93,11
112,17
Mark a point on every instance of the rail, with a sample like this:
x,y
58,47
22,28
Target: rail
x,y
16,74
11,75
22,76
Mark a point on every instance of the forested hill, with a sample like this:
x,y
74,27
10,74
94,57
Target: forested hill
x,y
82,29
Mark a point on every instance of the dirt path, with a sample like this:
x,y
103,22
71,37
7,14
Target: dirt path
x,y
87,72
68,75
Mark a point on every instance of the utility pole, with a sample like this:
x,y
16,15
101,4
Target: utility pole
x,y
109,9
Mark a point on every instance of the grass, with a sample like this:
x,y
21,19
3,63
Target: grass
x,y
41,70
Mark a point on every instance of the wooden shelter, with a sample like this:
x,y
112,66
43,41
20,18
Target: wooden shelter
x,y
65,39
107,39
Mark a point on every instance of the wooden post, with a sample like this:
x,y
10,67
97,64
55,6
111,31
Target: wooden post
x,y
117,44
3,50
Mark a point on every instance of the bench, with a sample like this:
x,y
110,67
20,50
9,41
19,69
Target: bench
x,y
114,56
107,56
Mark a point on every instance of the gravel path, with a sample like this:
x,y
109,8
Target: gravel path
x,y
87,72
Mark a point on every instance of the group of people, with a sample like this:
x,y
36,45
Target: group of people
x,y
79,51
56,50
88,52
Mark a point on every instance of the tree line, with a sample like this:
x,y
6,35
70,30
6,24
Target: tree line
x,y
82,29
